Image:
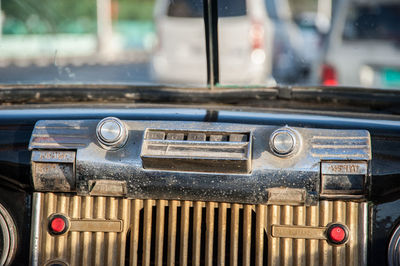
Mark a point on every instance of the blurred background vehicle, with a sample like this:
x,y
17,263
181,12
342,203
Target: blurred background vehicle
x,y
298,37
363,47
313,29
288,59
180,55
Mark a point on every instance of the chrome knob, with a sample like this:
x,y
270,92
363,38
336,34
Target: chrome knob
x,y
111,133
283,142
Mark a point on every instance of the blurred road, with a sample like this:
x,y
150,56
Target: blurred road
x,y
85,73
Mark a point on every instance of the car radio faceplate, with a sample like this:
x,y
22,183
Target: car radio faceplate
x,y
201,161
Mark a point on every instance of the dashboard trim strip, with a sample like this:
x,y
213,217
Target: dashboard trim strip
x,y
35,231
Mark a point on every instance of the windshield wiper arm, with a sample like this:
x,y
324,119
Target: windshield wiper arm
x,y
211,32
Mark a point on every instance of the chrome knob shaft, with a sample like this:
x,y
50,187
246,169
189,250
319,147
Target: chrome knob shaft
x,y
111,133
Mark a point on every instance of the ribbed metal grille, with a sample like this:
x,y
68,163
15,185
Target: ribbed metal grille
x,y
288,251
83,248
161,232
196,233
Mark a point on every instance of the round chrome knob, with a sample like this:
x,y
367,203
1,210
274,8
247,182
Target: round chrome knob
x,y
8,237
394,248
283,142
111,133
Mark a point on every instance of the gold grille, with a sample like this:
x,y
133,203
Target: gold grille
x,y
162,232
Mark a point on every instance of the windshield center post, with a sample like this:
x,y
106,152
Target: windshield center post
x,y
211,32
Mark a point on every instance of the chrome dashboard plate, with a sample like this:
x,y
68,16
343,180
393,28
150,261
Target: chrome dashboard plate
x,y
299,171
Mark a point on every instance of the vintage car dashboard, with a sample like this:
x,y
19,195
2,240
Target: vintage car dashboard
x,y
159,186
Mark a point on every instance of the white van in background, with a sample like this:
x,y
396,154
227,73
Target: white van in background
x,y
363,47
245,42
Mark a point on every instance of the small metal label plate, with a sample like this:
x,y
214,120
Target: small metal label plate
x,y
301,232
344,168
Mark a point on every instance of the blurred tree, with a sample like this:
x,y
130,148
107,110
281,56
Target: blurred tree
x,y
135,9
299,6
51,16
66,16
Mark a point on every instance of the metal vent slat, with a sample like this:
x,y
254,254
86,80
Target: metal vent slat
x,y
299,244
312,258
260,228
123,214
147,224
61,243
48,239
339,214
164,232
209,233
172,219
99,213
247,234
197,213
286,243
111,243
234,235
352,219
160,231
273,242
135,216
86,246
325,217
221,233
74,243
184,233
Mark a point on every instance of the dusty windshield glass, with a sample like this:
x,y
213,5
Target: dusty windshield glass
x,y
261,42
194,8
373,22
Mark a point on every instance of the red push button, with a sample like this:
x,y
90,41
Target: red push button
x,y
337,234
58,224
